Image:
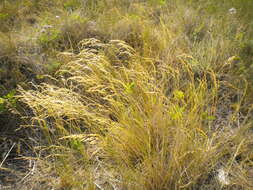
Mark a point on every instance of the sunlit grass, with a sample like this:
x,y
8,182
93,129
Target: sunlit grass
x,y
143,137
150,95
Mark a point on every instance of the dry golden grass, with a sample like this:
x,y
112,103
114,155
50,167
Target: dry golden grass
x,y
112,119
120,94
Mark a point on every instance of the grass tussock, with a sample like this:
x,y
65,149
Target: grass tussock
x,y
117,118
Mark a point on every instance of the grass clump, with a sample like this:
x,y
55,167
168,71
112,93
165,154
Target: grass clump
x,y
141,137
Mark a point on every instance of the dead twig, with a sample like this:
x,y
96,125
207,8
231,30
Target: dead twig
x,y
6,156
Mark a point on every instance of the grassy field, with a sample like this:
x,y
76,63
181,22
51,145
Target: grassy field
x,y
126,94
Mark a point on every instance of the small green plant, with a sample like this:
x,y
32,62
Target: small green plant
x,y
3,16
2,106
157,2
129,88
72,4
49,36
77,145
8,101
178,95
176,112
53,66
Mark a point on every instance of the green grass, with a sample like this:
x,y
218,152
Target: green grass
x,y
150,95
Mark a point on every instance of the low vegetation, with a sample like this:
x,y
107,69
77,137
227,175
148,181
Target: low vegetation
x,y
120,95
